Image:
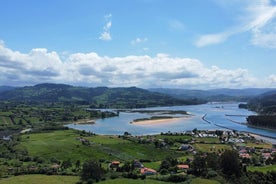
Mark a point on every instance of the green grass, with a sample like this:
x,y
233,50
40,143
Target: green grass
x,y
262,168
204,181
63,145
5,120
104,139
41,179
211,147
259,145
208,139
174,137
131,181
153,165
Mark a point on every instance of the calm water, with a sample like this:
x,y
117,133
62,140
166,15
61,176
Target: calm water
x,y
216,114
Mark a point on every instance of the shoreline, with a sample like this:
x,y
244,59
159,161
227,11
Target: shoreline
x,y
264,138
257,135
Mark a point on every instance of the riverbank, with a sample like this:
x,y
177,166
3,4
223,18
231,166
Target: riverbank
x,y
267,138
264,138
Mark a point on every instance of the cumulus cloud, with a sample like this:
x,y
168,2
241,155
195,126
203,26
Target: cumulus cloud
x,y
259,18
90,69
106,35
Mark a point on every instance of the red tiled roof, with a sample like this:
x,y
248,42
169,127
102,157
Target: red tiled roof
x,y
183,166
115,163
244,155
147,171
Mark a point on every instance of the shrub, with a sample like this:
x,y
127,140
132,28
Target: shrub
x,y
176,178
212,174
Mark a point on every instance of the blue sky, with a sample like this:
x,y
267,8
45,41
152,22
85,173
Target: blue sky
x,y
146,43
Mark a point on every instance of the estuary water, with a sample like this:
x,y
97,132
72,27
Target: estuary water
x,y
220,116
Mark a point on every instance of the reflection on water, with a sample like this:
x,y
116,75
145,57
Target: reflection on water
x,y
216,113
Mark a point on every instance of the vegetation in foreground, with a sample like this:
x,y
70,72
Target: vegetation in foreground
x,y
39,178
191,157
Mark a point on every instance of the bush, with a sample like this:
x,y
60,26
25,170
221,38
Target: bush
x,y
176,178
91,170
114,176
164,171
212,174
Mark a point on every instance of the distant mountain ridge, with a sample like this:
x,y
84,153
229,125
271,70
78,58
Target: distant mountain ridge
x,y
223,94
99,97
6,88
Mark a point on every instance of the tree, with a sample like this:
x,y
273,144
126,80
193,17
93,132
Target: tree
x,y
212,161
91,170
78,164
164,165
199,164
66,164
230,163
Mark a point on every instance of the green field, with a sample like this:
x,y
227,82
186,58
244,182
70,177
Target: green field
x,y
204,181
61,145
64,145
211,147
259,145
44,179
262,168
132,181
41,179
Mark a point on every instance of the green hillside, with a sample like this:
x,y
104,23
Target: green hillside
x,y
265,106
99,97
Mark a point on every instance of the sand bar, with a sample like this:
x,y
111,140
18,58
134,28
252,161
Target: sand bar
x,y
158,121
84,122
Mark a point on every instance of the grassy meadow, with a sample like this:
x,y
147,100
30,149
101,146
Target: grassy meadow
x,y
41,179
66,144
262,168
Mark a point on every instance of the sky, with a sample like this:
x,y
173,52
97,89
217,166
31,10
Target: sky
x,y
192,44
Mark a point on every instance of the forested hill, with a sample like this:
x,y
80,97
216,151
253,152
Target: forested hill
x,y
265,105
223,94
99,97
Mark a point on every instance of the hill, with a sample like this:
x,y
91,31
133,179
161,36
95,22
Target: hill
x,y
265,105
99,97
223,94
5,88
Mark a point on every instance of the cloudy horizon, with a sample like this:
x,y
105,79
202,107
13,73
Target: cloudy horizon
x,y
147,44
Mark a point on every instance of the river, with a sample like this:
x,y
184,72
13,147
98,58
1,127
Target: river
x,y
219,115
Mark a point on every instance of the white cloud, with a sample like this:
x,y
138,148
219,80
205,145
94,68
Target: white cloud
x,y
272,80
211,39
256,18
90,69
139,41
176,25
106,35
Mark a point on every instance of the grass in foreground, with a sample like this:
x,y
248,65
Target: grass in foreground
x,y
262,168
132,181
62,145
204,181
41,179
65,144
